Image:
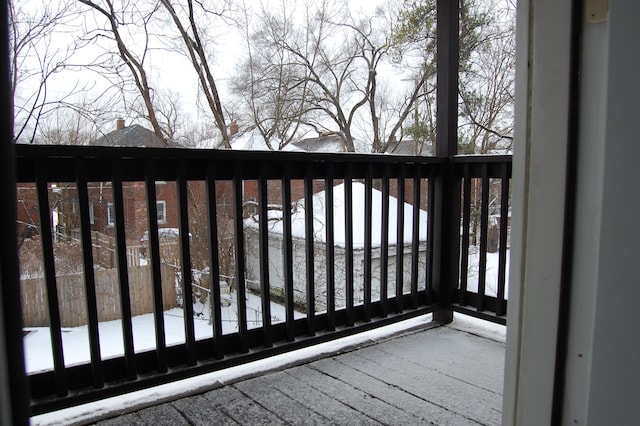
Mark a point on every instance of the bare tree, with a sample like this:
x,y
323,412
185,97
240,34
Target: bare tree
x,y
169,113
35,58
387,111
487,31
321,67
486,121
187,19
118,21
68,127
272,86
330,62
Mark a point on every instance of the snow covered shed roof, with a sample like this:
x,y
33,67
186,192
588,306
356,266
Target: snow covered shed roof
x,y
330,143
358,194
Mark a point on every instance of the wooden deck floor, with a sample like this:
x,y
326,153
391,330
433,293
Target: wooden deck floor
x,y
440,376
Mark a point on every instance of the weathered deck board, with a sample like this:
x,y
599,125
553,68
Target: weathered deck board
x,y
199,411
439,376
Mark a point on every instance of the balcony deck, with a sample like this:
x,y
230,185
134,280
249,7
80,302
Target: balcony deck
x,y
440,376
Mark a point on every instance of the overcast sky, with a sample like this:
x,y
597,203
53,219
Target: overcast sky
x,y
168,70
171,71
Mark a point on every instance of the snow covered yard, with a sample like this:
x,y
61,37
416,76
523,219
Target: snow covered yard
x,y
491,284
75,341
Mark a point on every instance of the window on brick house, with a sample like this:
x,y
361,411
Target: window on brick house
x,y
111,215
161,207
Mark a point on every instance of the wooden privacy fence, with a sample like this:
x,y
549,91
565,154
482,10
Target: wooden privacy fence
x,y
71,296
138,255
104,249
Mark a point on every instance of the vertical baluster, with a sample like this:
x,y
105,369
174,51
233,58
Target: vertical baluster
x,y
400,240
240,263
504,226
368,202
384,245
330,250
89,277
288,253
430,236
265,287
484,224
415,242
309,252
50,277
348,228
123,270
185,262
214,262
466,219
154,255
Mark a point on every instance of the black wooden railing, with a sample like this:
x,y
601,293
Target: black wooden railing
x,y
483,217
485,201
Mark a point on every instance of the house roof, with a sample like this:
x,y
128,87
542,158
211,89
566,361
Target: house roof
x,y
409,147
253,141
330,143
131,136
359,212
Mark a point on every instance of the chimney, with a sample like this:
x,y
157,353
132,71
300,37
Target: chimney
x,y
119,124
233,128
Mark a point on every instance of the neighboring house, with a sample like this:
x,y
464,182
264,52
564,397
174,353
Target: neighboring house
x,y
63,197
409,147
253,141
329,142
333,142
135,208
276,246
131,136
135,203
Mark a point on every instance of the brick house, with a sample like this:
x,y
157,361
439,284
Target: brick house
x,y
134,193
63,197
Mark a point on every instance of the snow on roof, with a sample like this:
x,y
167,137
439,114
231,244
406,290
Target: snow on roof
x,y
247,141
330,143
358,196
253,141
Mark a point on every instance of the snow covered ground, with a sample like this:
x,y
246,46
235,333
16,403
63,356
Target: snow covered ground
x,y
75,341
37,342
491,284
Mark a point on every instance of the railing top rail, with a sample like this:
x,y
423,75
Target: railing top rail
x,y
476,166
482,158
99,160
105,152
